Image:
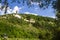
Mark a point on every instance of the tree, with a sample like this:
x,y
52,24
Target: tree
x,y
58,12
57,31
5,4
41,3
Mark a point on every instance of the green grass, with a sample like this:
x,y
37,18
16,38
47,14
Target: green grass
x,y
20,39
15,28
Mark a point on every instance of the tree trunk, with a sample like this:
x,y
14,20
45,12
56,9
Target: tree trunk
x,y
6,5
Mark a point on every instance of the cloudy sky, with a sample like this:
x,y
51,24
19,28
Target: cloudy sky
x,y
32,10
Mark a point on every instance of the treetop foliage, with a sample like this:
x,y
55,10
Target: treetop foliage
x,y
41,3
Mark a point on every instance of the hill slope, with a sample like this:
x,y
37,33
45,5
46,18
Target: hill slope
x,y
27,26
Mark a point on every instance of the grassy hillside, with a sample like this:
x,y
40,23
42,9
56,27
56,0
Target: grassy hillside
x,y
15,27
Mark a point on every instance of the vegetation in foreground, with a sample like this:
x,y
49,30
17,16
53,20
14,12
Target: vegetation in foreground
x,y
43,28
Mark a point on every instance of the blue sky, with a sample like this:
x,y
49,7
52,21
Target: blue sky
x,y
34,10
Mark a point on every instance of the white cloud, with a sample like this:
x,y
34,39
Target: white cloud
x,y
53,16
34,14
9,11
2,12
30,13
16,8
50,16
27,12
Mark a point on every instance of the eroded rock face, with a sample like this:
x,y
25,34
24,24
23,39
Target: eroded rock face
x,y
4,17
26,20
31,20
18,16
